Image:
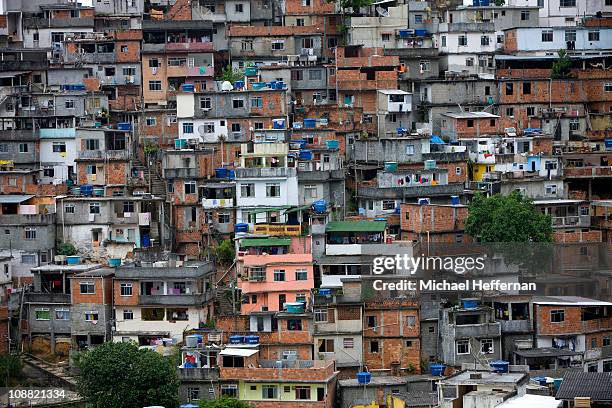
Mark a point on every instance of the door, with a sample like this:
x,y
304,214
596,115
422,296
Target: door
x,y
281,301
320,393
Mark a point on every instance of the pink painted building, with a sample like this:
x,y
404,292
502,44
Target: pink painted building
x,y
269,281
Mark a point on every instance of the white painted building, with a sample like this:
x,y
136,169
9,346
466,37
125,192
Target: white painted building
x,y
203,130
57,154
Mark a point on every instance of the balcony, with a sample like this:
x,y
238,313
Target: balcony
x,y
200,71
588,172
174,300
410,192
103,155
180,173
279,230
292,370
191,46
264,172
571,221
515,326
217,202
320,175
197,374
477,330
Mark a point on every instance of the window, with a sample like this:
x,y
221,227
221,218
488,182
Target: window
x,y
307,43
409,150
605,341
486,346
557,316
193,393
608,87
320,315
510,112
326,346
279,275
278,45
151,121
570,35
462,41
470,123
229,390
524,15
259,125
28,259
23,148
526,88
411,321
91,316
94,208
223,218
177,62
299,22
463,347
153,63
371,321
205,103
128,314
87,288
155,86
469,62
238,103
348,343
385,37
92,144
188,127
484,40
300,297
374,346
236,127
301,275
593,35
310,191
424,65
302,393
294,324
239,8
247,190
62,314
531,111
567,3
509,89
314,75
42,314
269,391
551,189
547,35
246,45
129,71
431,329
69,208
126,289
59,147
443,39
190,187
574,124
272,189
30,233
256,102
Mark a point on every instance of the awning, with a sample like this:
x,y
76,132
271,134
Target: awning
x,y
356,226
238,352
436,140
296,209
268,242
12,74
14,199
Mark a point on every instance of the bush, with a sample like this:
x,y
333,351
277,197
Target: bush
x,y
66,248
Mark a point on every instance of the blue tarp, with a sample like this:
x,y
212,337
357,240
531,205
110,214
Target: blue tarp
x,y
436,140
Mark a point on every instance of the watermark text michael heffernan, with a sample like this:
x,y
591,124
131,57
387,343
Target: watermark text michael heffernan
x,y
449,286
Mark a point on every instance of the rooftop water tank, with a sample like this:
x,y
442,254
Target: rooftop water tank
x,y
364,377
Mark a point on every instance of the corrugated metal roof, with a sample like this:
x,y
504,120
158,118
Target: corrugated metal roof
x,y
14,199
597,386
255,242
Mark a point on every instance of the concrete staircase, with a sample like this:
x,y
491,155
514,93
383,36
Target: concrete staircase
x,y
158,186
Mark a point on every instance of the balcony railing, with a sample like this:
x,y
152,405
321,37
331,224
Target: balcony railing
x,y
588,172
266,172
277,230
171,300
103,155
571,221
180,173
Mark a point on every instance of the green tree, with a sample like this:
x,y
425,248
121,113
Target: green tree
x,y
66,248
224,252
355,5
10,367
562,67
510,218
230,74
118,375
224,402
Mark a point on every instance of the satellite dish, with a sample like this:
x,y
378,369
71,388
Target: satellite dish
x,y
226,86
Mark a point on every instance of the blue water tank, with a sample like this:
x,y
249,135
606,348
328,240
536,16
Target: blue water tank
x,y
87,190
241,227
364,377
455,200
231,174
437,369
469,303
557,382
420,32
280,85
188,87
251,339
239,84
236,339
499,366
278,123
325,292
114,262
310,123
319,206
221,173
124,126
146,240
332,144
305,155
540,380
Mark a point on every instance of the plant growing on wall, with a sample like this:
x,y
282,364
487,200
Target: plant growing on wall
x,y
562,67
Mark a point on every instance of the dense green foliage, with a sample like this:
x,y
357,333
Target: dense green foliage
x,y
224,402
10,367
230,74
224,252
66,248
510,218
120,375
